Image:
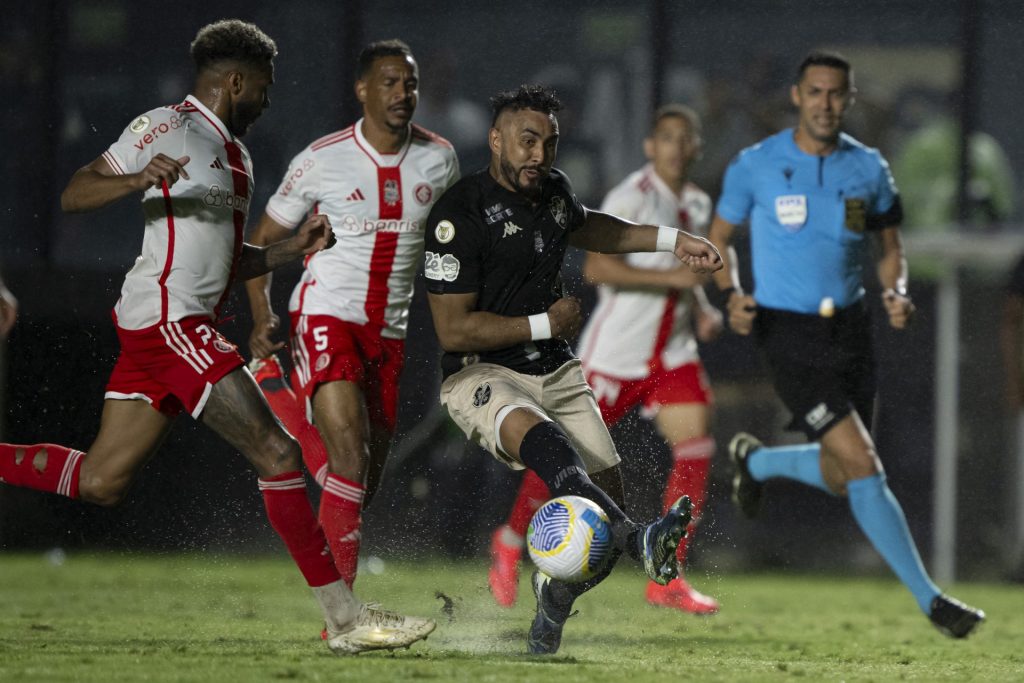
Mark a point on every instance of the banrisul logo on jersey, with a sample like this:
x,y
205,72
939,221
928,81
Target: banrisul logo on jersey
x,y
357,225
215,196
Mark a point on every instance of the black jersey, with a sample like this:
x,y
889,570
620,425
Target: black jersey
x,y
482,238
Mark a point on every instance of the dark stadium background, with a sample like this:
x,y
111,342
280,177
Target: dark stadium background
x,y
74,73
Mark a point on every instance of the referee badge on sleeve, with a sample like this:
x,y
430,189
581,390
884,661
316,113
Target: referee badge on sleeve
x,y
791,211
856,215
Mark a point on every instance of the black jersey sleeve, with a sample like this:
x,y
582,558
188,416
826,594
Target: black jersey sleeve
x,y
576,215
453,245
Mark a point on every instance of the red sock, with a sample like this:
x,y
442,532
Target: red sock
x,y
340,505
42,466
691,461
291,515
532,494
287,406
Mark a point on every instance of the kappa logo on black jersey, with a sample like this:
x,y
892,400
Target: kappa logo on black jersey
x,y
482,395
510,229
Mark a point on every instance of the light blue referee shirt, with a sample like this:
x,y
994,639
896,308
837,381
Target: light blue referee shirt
x,y
808,218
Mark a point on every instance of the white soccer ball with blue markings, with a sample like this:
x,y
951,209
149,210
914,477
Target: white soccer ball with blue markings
x,y
569,538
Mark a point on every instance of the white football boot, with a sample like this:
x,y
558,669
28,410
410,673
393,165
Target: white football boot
x,y
378,629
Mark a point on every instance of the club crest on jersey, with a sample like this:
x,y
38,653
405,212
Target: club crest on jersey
x,y
423,193
391,194
444,232
140,124
558,211
482,395
791,211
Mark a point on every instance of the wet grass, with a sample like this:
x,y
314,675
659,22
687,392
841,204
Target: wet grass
x,y
229,618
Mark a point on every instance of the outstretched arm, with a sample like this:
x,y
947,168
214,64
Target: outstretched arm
x,y
312,236
97,185
461,328
607,234
610,269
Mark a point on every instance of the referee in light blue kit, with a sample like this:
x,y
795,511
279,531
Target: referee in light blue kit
x,y
812,195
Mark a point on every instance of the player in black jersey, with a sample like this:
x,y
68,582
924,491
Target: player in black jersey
x,y
495,243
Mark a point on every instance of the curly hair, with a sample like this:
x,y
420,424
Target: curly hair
x,y
536,97
381,48
231,39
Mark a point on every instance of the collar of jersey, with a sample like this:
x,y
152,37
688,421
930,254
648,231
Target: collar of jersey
x,y
789,135
664,189
384,160
210,120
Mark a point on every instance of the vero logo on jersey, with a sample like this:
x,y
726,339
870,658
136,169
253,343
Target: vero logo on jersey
x,y
510,229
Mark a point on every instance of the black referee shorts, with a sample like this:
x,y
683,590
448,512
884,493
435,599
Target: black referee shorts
x,y
822,367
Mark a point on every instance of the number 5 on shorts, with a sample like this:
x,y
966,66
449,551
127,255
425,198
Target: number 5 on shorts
x,y
320,338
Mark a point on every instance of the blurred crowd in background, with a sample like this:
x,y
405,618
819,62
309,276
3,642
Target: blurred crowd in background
x,y
74,73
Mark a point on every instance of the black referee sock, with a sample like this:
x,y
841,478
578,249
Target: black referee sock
x,y
547,450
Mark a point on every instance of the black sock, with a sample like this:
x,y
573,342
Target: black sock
x,y
547,450
563,594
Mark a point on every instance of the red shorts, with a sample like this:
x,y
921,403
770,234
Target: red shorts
x,y
616,397
173,365
326,349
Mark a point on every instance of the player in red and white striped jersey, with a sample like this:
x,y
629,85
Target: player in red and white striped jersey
x,y
196,180
376,180
638,346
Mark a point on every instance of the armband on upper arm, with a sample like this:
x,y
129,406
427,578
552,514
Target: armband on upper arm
x,y
893,216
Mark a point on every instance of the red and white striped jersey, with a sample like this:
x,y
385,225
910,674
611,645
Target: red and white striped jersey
x,y
633,332
194,229
377,204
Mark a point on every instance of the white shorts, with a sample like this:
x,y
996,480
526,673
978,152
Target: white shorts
x,y
475,395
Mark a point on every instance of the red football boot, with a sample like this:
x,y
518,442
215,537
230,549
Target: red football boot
x,y
678,594
503,577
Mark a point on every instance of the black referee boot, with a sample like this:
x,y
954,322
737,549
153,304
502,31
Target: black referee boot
x,y
953,618
746,491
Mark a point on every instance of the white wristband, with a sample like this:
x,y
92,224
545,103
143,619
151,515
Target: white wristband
x,y
540,326
666,238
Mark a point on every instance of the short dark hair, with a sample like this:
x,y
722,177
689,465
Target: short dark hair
x,y
232,39
830,59
536,97
681,111
381,48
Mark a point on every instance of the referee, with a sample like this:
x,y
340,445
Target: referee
x,y
495,243
812,196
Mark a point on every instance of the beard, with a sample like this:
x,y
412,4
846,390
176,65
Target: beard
x,y
243,117
511,174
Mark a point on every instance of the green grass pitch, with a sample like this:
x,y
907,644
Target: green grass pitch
x,y
134,617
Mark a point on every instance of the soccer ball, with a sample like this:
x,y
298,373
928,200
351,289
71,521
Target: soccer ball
x,y
569,538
